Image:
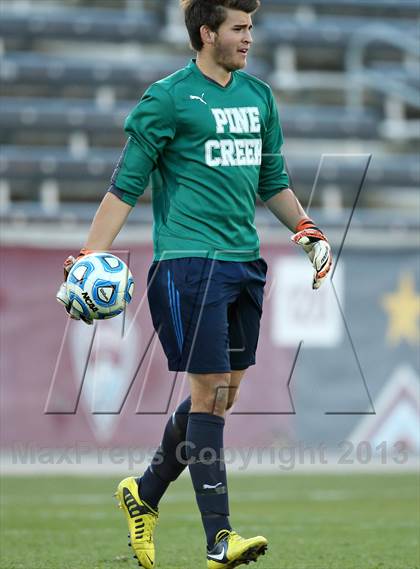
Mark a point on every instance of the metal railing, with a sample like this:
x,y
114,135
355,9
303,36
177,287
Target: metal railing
x,y
362,78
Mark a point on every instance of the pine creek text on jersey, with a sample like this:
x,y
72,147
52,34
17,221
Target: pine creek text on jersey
x,y
235,151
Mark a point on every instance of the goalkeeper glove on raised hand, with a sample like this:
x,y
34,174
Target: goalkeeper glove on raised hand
x,y
316,245
62,295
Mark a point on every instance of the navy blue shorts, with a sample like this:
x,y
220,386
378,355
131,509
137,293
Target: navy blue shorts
x,y
207,313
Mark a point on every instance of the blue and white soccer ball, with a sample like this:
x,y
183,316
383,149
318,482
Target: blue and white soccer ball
x,y
100,285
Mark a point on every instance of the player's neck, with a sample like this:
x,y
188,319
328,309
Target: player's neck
x,y
211,69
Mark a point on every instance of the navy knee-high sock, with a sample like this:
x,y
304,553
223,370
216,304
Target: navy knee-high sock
x,y
166,465
204,445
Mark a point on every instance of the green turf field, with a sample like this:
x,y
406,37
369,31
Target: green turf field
x,y
311,522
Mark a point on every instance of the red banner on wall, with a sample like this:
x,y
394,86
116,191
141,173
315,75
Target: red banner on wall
x,y
47,398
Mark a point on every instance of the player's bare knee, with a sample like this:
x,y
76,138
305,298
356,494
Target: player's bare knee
x,y
218,393
210,393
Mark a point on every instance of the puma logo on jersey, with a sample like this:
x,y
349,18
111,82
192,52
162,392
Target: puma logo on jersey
x,y
196,97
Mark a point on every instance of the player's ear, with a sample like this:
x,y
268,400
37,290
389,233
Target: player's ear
x,y
208,37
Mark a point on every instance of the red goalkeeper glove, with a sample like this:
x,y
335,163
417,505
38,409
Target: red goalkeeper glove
x,y
316,245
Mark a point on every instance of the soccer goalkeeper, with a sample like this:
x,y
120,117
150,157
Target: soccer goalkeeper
x,y
210,137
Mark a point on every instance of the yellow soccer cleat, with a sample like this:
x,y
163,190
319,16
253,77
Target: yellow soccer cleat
x,y
142,520
232,550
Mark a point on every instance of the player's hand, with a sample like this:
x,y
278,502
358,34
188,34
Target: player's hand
x,y
62,295
316,245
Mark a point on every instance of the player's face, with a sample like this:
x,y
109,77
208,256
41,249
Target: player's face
x,y
233,41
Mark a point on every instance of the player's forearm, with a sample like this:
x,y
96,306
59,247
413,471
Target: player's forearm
x,y
107,223
286,207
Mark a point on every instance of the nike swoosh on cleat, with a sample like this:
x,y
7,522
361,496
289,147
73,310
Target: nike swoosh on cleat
x,y
217,557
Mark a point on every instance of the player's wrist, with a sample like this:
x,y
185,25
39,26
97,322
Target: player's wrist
x,y
306,227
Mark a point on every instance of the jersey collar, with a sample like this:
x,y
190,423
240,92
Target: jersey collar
x,y
193,65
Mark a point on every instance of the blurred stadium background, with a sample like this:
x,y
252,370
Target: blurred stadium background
x,y
339,370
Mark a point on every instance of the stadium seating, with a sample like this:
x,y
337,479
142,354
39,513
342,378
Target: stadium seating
x,y
34,68
35,164
87,24
40,69
67,116
71,75
365,10
401,6
324,31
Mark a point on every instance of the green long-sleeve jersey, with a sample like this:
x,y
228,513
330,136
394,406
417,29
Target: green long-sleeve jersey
x,y
210,150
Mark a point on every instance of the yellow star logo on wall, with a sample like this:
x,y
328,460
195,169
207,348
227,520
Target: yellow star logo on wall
x,y
403,308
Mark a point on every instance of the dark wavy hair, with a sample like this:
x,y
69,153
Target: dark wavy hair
x,y
211,13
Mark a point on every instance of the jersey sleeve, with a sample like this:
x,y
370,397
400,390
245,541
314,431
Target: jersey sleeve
x,y
273,175
150,126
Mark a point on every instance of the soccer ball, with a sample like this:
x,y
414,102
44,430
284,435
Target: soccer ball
x,y
100,286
